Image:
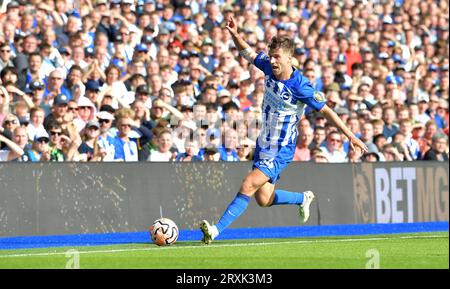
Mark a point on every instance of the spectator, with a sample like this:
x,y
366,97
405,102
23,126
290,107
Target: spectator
x,y
211,153
242,129
333,149
59,110
442,111
5,56
380,141
389,117
182,132
422,115
354,156
163,152
73,84
318,156
29,46
55,87
367,136
245,150
378,126
13,152
36,92
117,88
302,150
40,151
92,92
371,157
33,72
243,100
142,114
10,123
20,137
399,143
9,75
439,149
55,145
413,146
227,150
85,112
106,137
90,146
191,151
37,115
418,130
319,138
143,94
425,141
354,125
4,104
125,147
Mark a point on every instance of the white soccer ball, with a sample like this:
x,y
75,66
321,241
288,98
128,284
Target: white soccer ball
x,y
164,232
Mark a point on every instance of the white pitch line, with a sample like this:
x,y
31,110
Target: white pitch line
x,y
219,246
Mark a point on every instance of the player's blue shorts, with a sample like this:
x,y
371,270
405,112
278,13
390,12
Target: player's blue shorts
x,y
273,166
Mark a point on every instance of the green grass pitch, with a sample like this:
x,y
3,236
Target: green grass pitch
x,y
421,250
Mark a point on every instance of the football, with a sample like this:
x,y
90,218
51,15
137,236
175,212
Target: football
x,y
164,232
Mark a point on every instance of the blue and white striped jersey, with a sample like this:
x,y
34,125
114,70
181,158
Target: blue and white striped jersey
x,y
284,104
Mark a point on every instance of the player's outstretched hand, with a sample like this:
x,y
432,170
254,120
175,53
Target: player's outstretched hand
x,y
357,143
231,26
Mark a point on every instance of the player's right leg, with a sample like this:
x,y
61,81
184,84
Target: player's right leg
x,y
252,182
267,196
303,209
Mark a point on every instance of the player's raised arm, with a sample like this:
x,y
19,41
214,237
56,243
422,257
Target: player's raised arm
x,y
244,49
334,118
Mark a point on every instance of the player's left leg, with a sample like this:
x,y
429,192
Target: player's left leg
x,y
251,183
264,196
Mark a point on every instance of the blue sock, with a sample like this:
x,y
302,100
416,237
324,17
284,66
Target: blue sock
x,y
287,198
234,210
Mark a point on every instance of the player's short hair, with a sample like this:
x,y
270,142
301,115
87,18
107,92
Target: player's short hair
x,y
283,42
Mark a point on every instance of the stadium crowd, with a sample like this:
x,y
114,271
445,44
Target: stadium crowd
x,y
160,80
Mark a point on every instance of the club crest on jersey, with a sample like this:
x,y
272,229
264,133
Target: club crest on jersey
x,y
319,96
286,95
278,89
